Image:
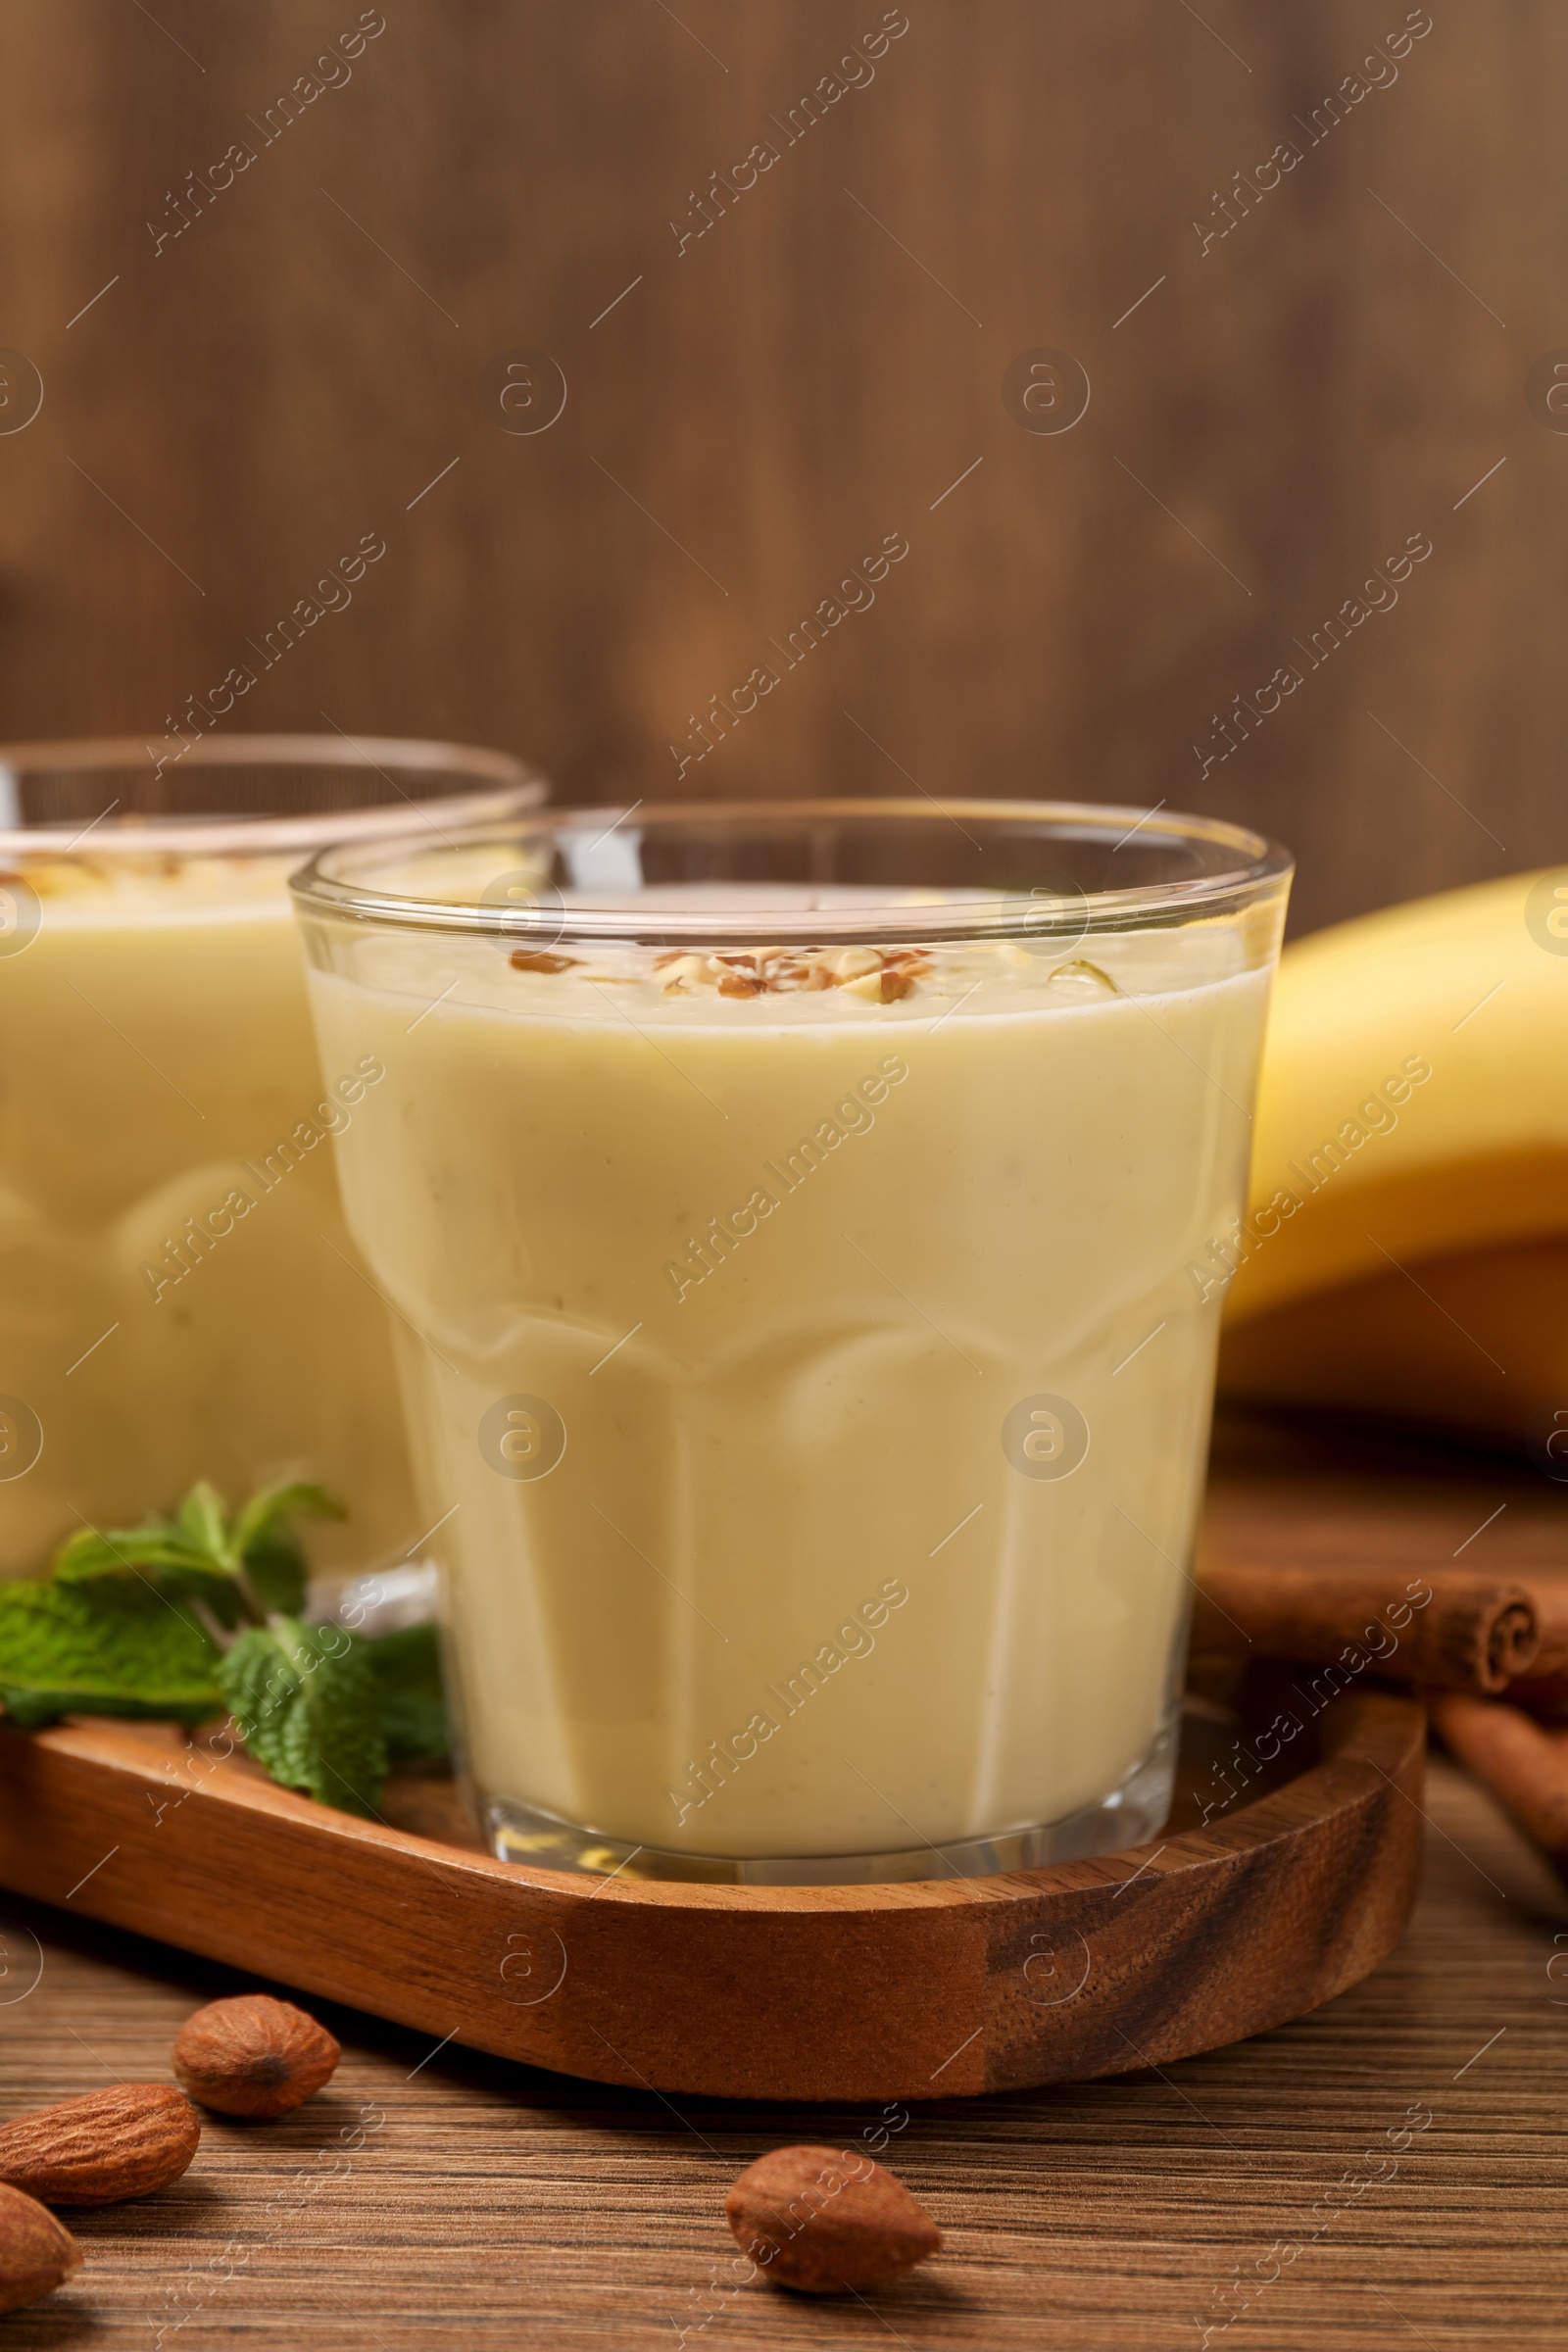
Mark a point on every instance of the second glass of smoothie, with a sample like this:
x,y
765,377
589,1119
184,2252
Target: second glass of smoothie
x,y
181,1300
788,1214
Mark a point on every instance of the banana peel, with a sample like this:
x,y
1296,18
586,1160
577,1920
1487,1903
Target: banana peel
x,y
1406,1247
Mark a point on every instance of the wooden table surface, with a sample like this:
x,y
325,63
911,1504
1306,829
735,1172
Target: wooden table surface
x,y
491,2202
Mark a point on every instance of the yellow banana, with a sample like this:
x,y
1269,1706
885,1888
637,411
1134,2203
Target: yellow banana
x,y
1406,1248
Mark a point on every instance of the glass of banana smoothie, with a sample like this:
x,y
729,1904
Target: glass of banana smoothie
x,y
181,1300
788,1214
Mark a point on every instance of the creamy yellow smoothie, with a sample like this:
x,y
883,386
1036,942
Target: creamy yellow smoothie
x,y
799,1352
179,1298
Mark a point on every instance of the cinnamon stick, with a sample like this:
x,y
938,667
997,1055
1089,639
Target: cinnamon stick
x,y
1448,1629
1544,1689
1524,1765
1550,1592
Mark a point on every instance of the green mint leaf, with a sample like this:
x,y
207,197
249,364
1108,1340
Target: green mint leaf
x,y
154,1557
306,1703
103,1650
407,1666
201,1524
271,1552
278,1575
119,1551
286,1498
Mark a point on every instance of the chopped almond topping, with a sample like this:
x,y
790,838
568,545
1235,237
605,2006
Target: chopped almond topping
x,y
880,974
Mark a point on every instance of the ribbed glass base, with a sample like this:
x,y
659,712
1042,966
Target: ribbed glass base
x,y
1137,1810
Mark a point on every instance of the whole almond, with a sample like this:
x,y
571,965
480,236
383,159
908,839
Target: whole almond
x,y
252,2055
37,2253
102,2147
823,2219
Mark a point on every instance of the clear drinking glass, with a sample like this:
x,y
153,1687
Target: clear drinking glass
x,y
180,1298
787,1213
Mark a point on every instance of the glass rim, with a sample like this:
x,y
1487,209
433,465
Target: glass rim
x,y
1261,866
502,784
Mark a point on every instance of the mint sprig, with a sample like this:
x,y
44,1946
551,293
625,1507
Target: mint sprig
x,y
132,1623
251,1566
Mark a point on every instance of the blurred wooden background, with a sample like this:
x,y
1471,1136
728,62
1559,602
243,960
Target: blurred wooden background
x,y
1292,402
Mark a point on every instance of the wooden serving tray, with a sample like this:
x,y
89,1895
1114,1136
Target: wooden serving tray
x,y
930,1989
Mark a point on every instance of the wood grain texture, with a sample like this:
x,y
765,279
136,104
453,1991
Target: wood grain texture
x,y
489,2199
821,366
1196,1939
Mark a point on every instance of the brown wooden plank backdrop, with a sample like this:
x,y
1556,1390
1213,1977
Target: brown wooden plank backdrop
x,y
1292,401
